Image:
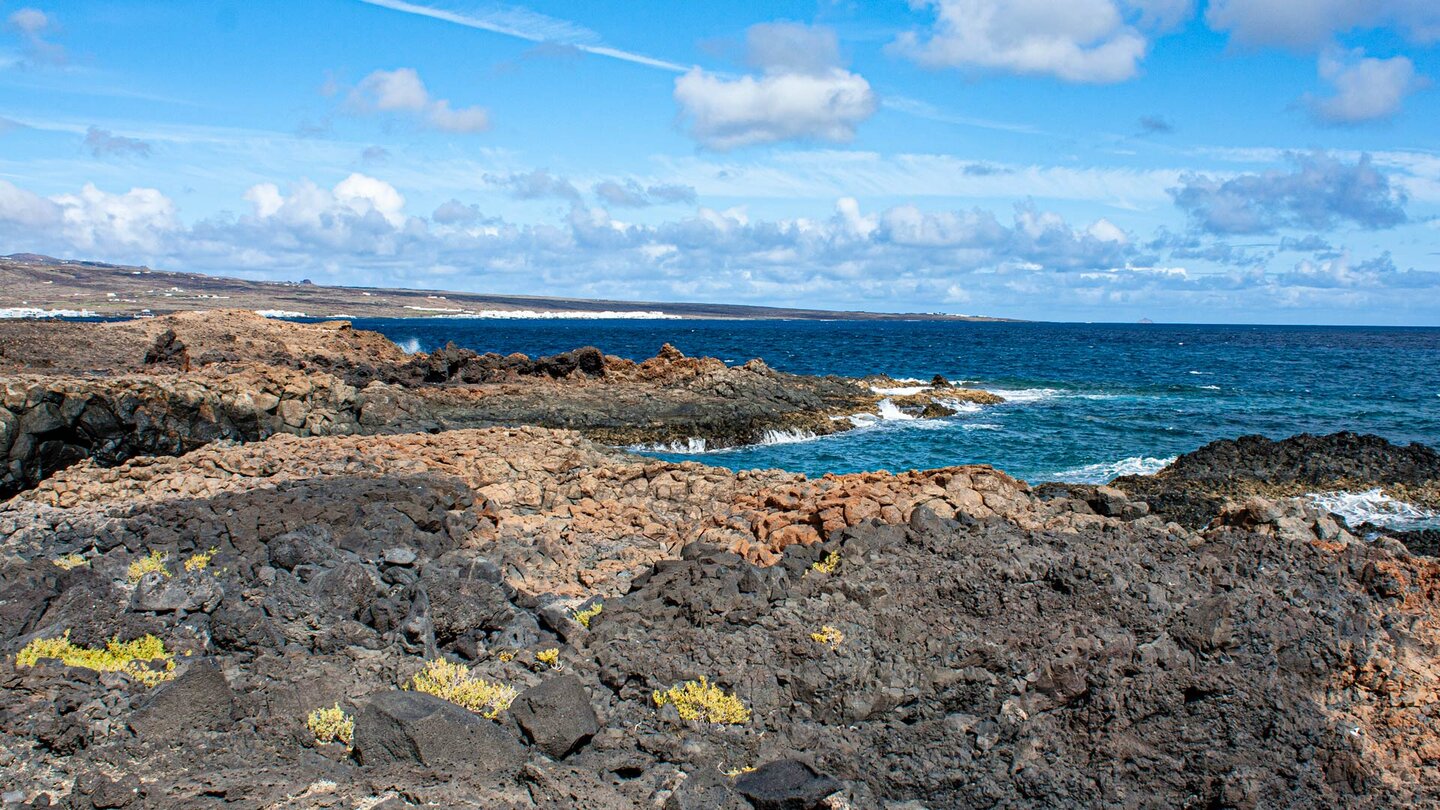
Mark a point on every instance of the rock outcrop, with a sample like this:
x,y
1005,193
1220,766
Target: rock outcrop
x,y
165,386
1192,490
939,639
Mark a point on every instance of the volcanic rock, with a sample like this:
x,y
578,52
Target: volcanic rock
x,y
400,728
556,715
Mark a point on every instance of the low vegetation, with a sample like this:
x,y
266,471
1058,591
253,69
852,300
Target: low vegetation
x,y
700,700
152,563
145,659
200,561
453,682
832,637
550,657
584,617
829,565
331,725
70,561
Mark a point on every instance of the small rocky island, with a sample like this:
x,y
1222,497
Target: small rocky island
x,y
277,565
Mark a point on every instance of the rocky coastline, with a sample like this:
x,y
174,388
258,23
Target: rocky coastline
x,y
110,391
306,520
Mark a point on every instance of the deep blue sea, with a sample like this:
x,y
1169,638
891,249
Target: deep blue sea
x,y
1085,402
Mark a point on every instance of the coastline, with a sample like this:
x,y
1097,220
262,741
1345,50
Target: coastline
x,y
44,284
304,515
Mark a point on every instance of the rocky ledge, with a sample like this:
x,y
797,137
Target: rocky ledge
x,y
1192,489
645,634
111,391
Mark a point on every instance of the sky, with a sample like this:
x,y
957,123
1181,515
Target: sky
x,y
1218,161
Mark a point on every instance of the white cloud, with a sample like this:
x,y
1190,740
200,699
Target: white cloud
x,y
1076,40
521,23
1107,231
401,91
1365,88
25,208
97,221
33,24
802,93
1313,23
1032,263
30,21
336,210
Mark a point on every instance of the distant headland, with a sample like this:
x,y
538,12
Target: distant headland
x,y
42,286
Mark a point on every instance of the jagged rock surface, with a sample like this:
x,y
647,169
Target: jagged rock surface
x,y
164,386
1192,490
994,648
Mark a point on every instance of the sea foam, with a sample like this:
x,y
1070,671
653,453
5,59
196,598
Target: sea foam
x,y
1107,471
17,313
1374,506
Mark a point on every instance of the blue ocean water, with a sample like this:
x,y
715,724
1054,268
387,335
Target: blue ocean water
x,y
1085,402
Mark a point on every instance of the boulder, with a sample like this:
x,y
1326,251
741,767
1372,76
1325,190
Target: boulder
x,y
786,784
556,715
459,606
200,698
188,591
412,728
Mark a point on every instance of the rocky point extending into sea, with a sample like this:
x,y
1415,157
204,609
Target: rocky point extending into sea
x,y
290,535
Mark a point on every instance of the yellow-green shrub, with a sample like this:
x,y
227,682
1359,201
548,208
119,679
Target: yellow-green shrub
x,y
584,617
699,700
201,560
550,657
454,683
828,635
70,561
331,725
829,565
154,562
134,658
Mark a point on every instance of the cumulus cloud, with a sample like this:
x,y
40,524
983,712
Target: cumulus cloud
x,y
454,212
25,209
103,143
630,194
1315,22
801,93
360,225
1319,194
139,219
1077,41
534,185
33,26
1365,88
1029,262
401,92
1343,271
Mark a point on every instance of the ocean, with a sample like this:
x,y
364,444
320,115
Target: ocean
x,y
1085,402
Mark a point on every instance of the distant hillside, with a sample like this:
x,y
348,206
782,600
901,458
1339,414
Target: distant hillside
x,y
30,281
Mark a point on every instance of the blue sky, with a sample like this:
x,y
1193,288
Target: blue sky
x,y
1222,161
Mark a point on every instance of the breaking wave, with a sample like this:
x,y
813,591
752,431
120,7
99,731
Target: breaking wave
x,y
1374,506
1107,471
